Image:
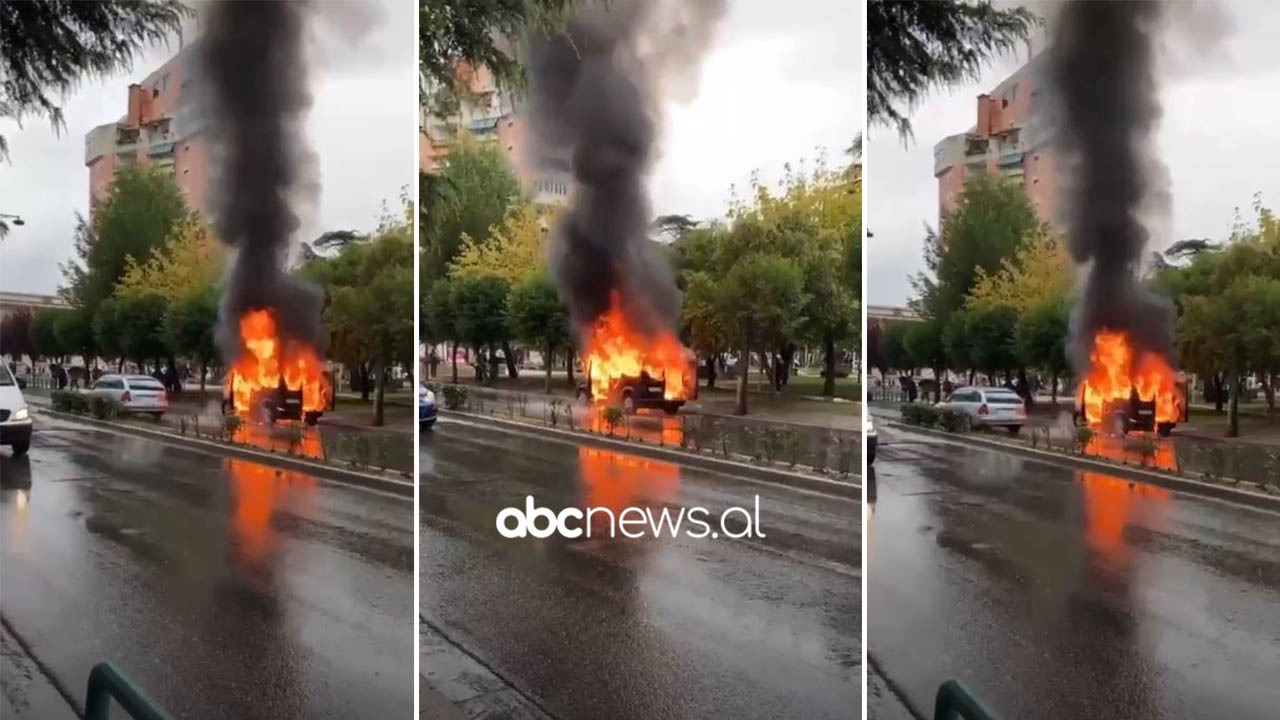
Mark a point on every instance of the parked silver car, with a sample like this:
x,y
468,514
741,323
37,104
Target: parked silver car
x,y
989,407
139,394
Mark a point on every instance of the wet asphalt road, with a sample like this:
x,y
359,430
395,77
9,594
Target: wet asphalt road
x,y
224,588
643,628
1057,594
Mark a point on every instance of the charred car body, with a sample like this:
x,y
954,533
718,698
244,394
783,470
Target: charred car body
x,y
281,403
1120,416
635,392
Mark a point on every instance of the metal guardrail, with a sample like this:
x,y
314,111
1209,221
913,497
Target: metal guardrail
x,y
954,702
107,683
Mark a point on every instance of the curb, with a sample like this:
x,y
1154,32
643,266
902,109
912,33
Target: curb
x,y
1234,495
850,490
209,447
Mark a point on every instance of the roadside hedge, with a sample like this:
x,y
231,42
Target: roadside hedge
x,y
921,414
69,401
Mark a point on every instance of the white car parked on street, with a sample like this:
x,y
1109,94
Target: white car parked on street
x,y
989,407
137,394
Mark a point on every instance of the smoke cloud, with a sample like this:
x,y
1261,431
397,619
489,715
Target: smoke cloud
x,y
252,58
1103,68
594,112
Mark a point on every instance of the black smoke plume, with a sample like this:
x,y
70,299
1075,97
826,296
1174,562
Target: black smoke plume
x,y
1102,68
253,66
593,112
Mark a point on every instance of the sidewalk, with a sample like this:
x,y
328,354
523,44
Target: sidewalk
x,y
25,692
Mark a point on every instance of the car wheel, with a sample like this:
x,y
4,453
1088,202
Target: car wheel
x,y
671,409
311,419
21,448
871,453
1013,429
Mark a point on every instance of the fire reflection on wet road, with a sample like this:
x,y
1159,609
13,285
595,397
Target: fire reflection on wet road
x,y
648,628
223,587
1060,594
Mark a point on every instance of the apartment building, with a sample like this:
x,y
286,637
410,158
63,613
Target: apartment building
x,y
490,114
1012,136
163,125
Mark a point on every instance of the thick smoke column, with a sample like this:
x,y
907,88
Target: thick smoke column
x,y
252,58
1102,66
593,111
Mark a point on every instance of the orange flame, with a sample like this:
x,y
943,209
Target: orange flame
x,y
268,358
616,350
1117,369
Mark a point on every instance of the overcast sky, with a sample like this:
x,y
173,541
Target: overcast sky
x,y
1219,137
363,127
781,81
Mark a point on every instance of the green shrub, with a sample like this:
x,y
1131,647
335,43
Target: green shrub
x,y
956,421
922,414
612,417
61,400
455,396
105,408
231,423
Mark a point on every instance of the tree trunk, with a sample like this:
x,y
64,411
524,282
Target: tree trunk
x,y
1233,410
362,370
711,372
453,360
546,362
1053,391
492,375
829,363
744,361
1025,382
380,378
204,372
1217,392
512,371
788,359
568,367
937,384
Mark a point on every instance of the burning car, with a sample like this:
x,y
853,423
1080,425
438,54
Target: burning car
x,y
284,380
1129,390
635,370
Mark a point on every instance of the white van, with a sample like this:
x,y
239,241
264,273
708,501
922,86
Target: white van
x,y
15,419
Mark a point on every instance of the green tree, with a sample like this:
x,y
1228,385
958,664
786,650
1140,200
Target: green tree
x,y
989,333
893,348
15,335
539,318
761,302
376,310
43,339
439,321
105,325
480,315
1041,337
923,343
140,319
74,331
956,345
189,327
46,49
455,36
482,187
916,46
140,212
992,219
